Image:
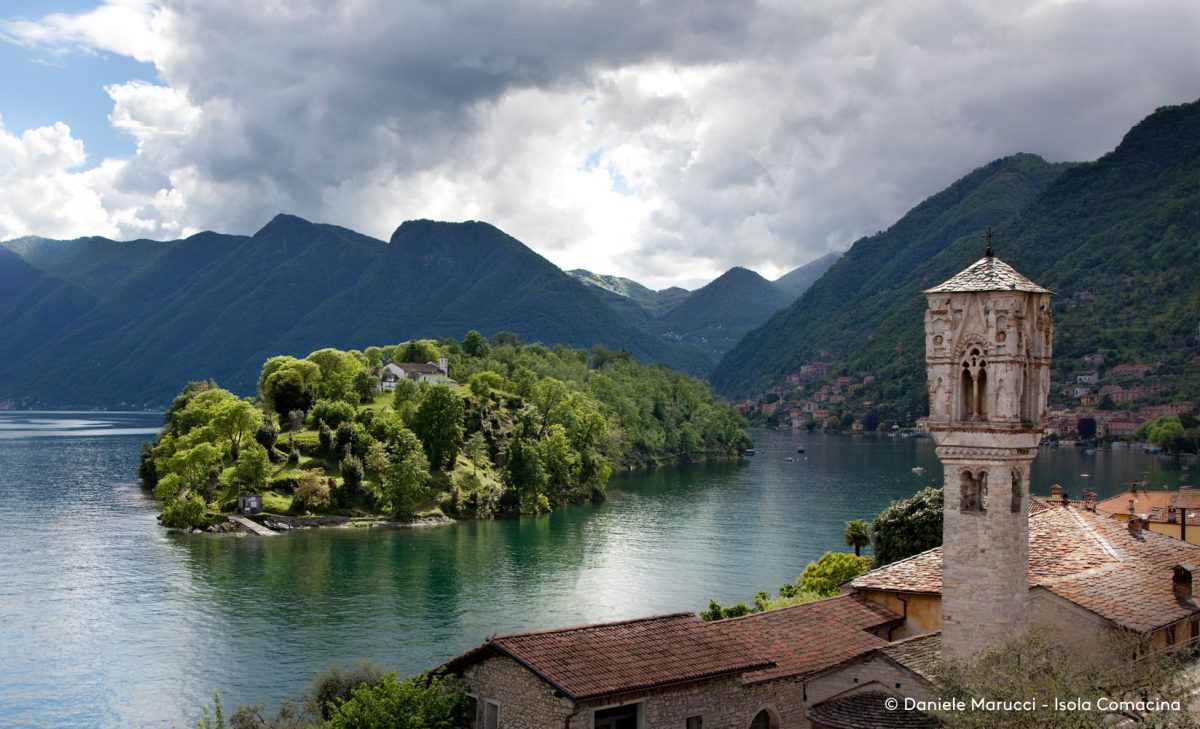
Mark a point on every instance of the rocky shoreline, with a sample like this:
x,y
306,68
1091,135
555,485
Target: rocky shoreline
x,y
282,524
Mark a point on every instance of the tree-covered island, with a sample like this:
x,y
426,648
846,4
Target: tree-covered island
x,y
494,427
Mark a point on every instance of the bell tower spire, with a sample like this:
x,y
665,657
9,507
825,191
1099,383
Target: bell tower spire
x,y
988,337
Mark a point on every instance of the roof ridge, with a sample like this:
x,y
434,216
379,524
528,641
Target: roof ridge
x,y
583,626
1104,544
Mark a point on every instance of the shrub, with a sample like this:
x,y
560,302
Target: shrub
x,y
184,513
312,493
352,472
831,570
332,412
335,685
433,702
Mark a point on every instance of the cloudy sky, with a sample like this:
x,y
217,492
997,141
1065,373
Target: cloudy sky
x,y
666,141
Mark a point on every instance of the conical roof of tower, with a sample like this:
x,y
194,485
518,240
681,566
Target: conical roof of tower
x,y
987,274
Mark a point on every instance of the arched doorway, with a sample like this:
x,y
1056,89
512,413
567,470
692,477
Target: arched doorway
x,y
764,719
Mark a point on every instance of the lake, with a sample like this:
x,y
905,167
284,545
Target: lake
x,y
111,621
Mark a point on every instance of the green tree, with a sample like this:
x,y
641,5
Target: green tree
x,y
377,460
253,467
477,450
426,702
831,570
474,345
907,527
525,473
332,412
716,611
438,422
857,535
404,482
236,421
185,513
365,385
482,383
287,384
337,373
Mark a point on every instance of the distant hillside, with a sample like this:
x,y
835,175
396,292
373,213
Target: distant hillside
x,y
849,313
1117,239
797,281
638,304
100,323
716,316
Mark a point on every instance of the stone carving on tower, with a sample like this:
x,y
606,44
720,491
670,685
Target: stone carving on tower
x,y
988,337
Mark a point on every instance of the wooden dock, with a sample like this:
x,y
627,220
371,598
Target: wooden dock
x,y
258,529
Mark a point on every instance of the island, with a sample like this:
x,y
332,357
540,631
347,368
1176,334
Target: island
x,y
426,431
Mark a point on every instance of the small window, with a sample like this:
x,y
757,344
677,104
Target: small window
x,y
695,722
491,715
618,717
1171,635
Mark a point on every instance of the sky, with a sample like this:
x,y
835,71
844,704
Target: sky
x,y
663,141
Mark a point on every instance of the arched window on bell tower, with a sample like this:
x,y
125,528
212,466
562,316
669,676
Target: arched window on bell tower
x,y
972,387
973,492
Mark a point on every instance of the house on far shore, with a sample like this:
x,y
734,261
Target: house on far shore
x,y
393,372
827,663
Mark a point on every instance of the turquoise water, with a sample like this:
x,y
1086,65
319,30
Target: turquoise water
x,y
111,621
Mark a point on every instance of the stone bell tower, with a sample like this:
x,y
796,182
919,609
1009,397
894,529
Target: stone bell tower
x,y
988,333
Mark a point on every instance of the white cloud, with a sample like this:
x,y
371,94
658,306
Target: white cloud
x,y
664,141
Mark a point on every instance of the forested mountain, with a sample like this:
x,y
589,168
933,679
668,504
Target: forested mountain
x,y
95,322
637,303
798,280
1118,239
714,317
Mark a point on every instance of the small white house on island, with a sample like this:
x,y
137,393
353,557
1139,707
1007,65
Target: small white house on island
x,y
393,372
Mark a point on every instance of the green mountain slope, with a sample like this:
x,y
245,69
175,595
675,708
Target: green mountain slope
x,y
638,304
1118,239
102,323
850,311
798,280
717,315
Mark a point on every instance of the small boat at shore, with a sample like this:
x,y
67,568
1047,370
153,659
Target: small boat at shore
x,y
918,470
799,450
789,459
748,452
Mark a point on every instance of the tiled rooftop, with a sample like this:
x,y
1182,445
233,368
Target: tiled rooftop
x,y
1086,557
987,274
1156,505
603,659
867,710
919,654
812,636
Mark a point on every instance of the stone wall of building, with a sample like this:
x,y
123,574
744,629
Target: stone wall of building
x,y
871,673
526,702
1064,621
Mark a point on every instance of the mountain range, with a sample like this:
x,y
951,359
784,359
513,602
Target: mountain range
x,y
99,323
1117,239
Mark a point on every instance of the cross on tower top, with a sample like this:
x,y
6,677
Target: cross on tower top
x,y
988,235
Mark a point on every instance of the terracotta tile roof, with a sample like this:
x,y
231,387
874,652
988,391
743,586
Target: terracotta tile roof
x,y
1156,505
867,710
987,274
603,659
802,639
1086,557
919,654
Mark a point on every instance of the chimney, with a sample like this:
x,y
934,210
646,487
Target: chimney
x,y
1135,525
1133,487
444,365
1181,581
1132,507
1089,500
1066,500
1056,491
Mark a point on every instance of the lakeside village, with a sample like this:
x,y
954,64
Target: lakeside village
x,y
1097,404
1024,611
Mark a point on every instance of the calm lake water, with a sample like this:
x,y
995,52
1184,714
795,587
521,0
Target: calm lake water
x,y
110,621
